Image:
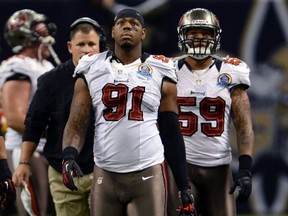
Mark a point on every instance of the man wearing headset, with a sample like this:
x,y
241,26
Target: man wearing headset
x,y
49,111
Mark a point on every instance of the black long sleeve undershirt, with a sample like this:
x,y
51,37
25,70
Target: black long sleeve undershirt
x,y
174,147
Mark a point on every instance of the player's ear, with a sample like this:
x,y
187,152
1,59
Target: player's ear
x,y
69,46
112,32
143,33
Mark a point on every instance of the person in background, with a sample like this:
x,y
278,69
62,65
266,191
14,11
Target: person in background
x,y
49,110
130,92
7,189
211,93
30,38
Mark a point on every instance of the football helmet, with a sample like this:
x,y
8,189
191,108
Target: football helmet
x,y
198,18
19,33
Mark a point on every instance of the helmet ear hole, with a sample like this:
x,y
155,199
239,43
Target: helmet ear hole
x,y
199,18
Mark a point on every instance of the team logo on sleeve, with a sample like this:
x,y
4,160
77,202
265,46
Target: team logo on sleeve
x,y
145,71
224,79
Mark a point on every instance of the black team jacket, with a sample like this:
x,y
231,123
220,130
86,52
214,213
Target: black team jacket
x,y
49,112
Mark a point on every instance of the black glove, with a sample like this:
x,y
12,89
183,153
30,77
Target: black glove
x,y
244,181
7,193
7,189
188,207
186,197
70,168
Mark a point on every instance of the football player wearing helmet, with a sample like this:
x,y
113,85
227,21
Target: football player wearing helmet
x,y
30,38
211,92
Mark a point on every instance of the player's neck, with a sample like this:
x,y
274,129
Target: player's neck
x,y
128,56
194,64
29,52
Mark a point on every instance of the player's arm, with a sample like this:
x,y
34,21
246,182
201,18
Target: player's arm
x,y
3,153
241,115
35,123
80,111
15,103
75,131
172,139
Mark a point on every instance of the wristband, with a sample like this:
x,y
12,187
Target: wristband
x,y
245,162
25,162
70,153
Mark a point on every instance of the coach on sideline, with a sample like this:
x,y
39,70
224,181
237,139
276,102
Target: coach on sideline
x,y
49,111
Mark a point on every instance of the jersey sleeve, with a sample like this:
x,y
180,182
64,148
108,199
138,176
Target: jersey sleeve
x,y
232,75
86,62
13,66
165,66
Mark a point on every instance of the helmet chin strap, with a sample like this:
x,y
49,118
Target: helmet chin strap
x,y
48,41
39,52
54,55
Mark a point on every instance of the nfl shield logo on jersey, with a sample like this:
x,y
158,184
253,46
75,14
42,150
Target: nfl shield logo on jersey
x,y
224,79
145,71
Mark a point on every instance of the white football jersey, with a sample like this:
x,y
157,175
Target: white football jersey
x,y
204,105
31,68
126,100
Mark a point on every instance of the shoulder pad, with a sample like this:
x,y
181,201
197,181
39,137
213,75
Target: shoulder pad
x,y
86,61
17,64
235,74
165,66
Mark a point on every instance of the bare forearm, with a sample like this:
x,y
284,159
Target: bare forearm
x,y
27,150
3,154
76,127
72,138
243,122
16,123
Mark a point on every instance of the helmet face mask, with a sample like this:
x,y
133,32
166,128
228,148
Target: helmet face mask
x,y
20,29
201,19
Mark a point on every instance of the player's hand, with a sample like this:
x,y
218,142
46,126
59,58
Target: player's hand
x,y
7,193
69,169
188,206
186,197
20,175
244,184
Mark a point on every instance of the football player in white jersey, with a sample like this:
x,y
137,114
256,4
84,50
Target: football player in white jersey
x,y
130,92
29,37
211,93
